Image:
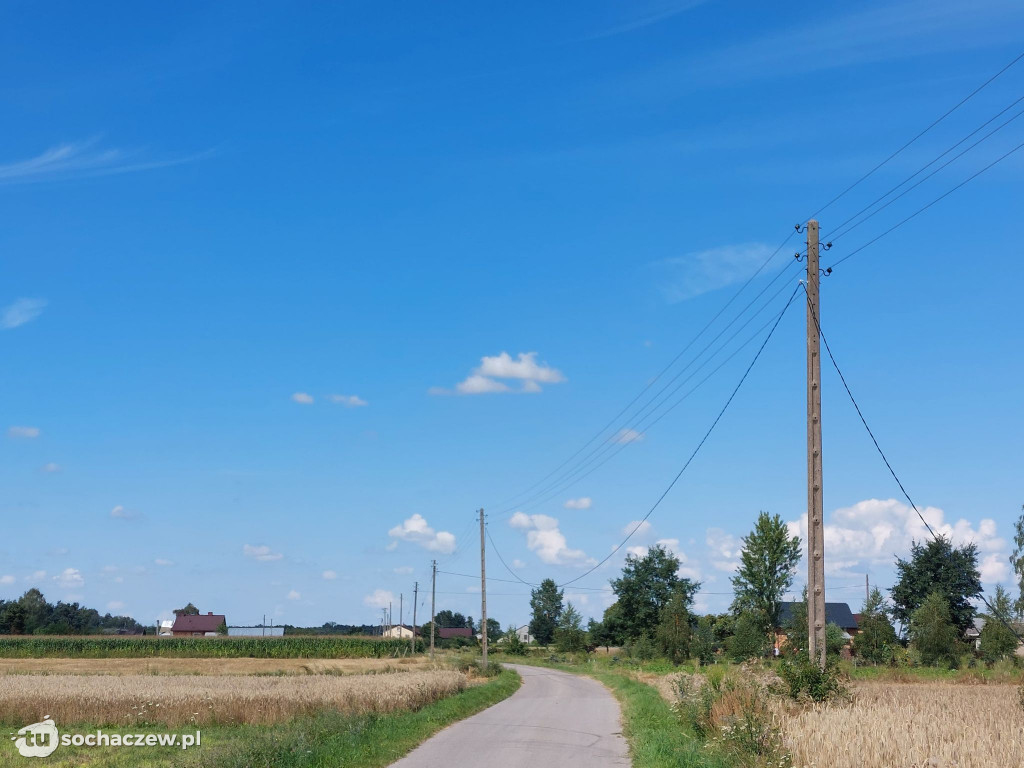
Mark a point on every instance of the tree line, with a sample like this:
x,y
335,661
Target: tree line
x,y
31,614
924,619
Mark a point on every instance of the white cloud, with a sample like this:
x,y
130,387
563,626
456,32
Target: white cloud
x,y
261,552
545,539
7,579
36,576
416,530
20,312
69,578
584,502
120,513
517,563
702,271
51,467
629,436
303,398
642,528
349,401
115,605
380,598
329,575
725,549
293,595
163,562
403,570
485,378
872,531
24,432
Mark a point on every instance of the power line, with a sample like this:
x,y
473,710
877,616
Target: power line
x,y
923,179
696,450
925,207
662,372
946,114
502,559
888,465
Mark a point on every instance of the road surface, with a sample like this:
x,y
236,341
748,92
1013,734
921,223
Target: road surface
x,y
554,720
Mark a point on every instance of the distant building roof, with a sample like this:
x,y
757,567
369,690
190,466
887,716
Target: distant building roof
x,y
835,613
446,632
209,623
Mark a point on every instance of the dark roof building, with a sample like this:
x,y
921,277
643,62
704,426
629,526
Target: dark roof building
x,y
448,632
835,613
197,625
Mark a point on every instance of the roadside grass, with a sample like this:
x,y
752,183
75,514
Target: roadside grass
x,y
327,738
656,735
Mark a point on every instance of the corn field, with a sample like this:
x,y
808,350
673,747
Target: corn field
x,y
98,647
177,700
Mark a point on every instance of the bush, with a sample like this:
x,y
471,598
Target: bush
x,y
997,641
513,645
702,646
805,680
475,667
640,648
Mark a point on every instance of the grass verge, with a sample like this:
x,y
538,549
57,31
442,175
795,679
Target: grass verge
x,y
326,739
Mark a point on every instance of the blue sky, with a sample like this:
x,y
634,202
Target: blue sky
x,y
286,293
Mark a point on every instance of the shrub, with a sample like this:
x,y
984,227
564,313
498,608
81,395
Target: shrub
x,y
702,646
933,633
513,645
640,648
749,640
805,680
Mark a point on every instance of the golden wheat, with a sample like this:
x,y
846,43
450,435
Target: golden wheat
x,y
219,666
194,699
896,725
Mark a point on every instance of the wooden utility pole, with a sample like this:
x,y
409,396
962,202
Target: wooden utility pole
x,y
433,594
401,610
815,526
415,600
483,592
867,590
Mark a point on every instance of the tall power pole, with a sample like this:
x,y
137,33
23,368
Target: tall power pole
x,y
815,526
401,610
415,600
433,594
483,592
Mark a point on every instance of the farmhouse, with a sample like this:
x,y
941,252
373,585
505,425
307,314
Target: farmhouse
x,y
403,631
198,626
523,633
835,613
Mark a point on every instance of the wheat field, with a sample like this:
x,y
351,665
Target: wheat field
x,y
215,666
199,699
911,725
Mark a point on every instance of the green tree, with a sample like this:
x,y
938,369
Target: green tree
x,y
797,640
1017,561
749,641
599,634
702,645
645,588
449,620
493,629
767,563
933,632
997,641
514,646
569,635
222,628
834,639
876,638
188,610
937,566
546,611
673,634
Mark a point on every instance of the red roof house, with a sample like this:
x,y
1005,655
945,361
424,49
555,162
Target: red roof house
x,y
197,626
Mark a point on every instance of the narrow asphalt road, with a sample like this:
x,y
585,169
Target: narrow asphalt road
x,y
554,720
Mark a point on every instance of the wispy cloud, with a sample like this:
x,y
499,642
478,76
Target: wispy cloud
x,y
302,398
652,16
23,432
20,312
683,277
349,401
85,158
261,552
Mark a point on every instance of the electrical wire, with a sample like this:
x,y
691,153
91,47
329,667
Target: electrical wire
x,y
696,450
924,208
946,114
871,434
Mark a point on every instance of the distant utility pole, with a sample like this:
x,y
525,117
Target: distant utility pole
x,y
401,609
867,590
433,594
815,528
415,600
483,592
